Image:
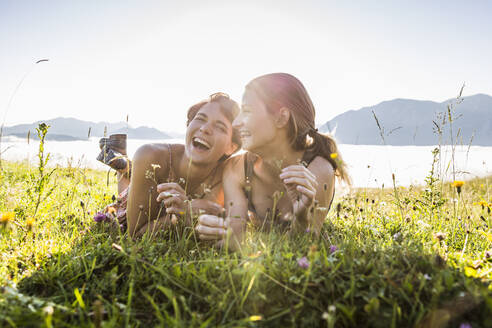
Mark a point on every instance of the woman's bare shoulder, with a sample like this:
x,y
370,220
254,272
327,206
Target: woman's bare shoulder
x,y
156,152
149,155
234,166
322,168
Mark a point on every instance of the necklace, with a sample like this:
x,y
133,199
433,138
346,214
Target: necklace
x,y
206,187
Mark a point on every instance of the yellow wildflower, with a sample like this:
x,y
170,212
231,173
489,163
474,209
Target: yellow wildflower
x,y
30,223
255,318
458,183
111,210
481,203
7,217
333,155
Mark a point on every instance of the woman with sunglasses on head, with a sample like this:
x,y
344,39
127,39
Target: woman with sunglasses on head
x,y
164,177
288,165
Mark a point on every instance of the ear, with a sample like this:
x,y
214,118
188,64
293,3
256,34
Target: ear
x,y
283,117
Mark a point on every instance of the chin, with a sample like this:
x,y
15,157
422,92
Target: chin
x,y
202,158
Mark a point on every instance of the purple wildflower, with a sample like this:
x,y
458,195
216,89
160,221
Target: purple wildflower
x,y
465,325
308,230
303,262
99,217
333,248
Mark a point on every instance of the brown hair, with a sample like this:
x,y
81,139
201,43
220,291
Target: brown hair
x,y
228,107
284,90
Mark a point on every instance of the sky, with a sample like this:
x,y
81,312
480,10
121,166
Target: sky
x,y
152,60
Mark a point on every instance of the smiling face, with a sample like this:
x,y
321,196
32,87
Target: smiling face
x,y
256,125
209,135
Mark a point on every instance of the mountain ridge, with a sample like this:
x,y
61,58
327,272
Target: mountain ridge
x,y
70,129
413,122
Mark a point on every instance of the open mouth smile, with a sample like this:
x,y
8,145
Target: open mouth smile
x,y
200,144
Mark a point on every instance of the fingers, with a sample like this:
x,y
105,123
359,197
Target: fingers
x,y
208,206
307,192
300,181
209,237
175,200
168,186
171,193
212,221
211,227
205,230
297,170
299,176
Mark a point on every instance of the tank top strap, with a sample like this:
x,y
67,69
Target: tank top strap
x,y
170,176
307,157
249,161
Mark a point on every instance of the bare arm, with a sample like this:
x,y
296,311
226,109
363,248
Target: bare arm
x,y
142,204
321,189
213,227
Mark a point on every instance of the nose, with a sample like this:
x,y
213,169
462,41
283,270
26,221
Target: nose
x,y
238,122
206,128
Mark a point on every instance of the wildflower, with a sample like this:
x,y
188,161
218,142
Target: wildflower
x,y
465,325
333,155
333,248
440,236
254,255
48,310
458,184
99,217
481,203
313,249
7,217
255,318
427,277
303,262
29,223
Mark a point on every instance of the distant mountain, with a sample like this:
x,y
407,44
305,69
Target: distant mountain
x,y
411,122
69,129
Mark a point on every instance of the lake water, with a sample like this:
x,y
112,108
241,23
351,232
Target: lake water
x,y
370,166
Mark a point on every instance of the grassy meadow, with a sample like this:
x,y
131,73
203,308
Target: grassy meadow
x,y
390,257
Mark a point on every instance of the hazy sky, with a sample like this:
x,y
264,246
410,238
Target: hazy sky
x,y
151,60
